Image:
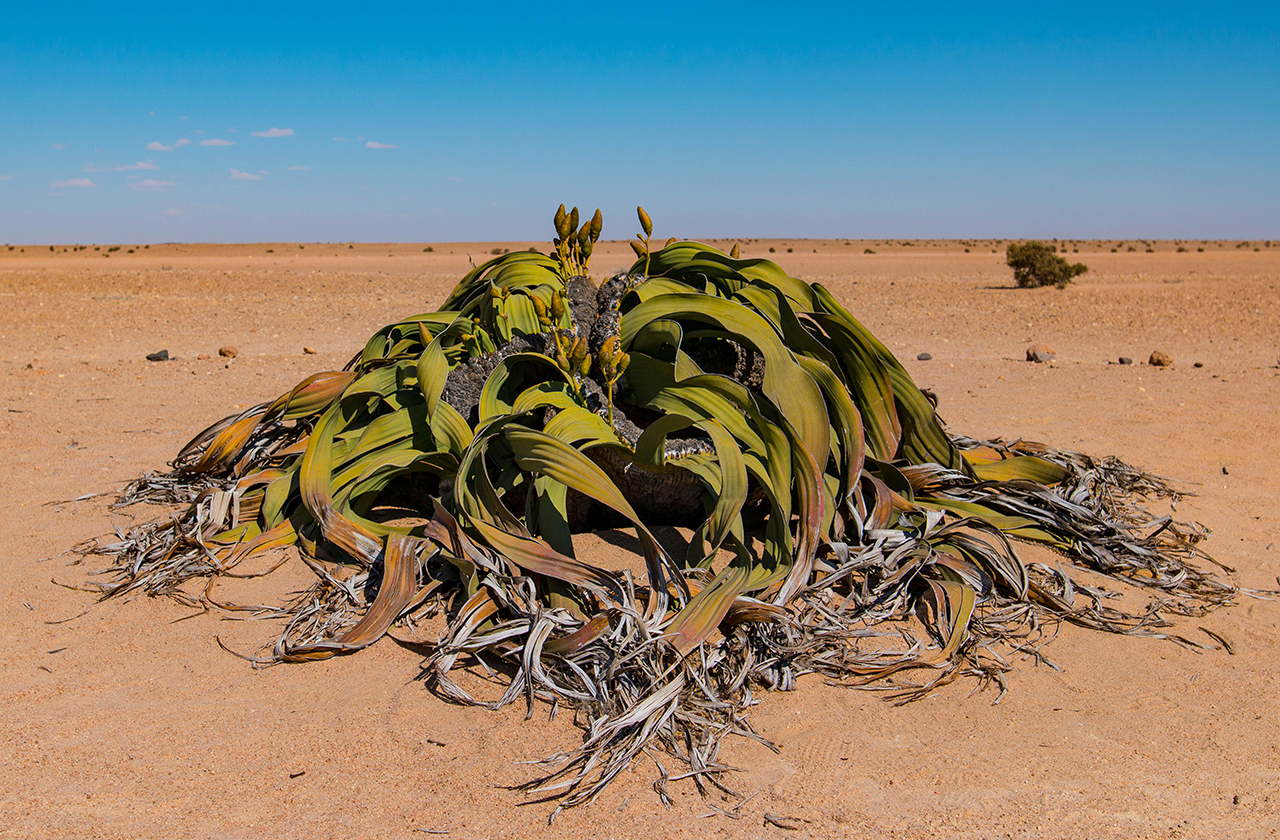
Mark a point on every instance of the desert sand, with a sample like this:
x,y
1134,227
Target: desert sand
x,y
126,719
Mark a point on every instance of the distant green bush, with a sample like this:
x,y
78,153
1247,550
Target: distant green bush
x,y
1034,264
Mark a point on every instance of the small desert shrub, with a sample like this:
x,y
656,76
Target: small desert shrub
x,y
1034,264
500,251
427,250
772,250
271,250
864,250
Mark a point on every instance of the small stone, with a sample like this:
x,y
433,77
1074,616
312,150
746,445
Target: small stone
x,y
1160,359
228,352
158,356
308,351
1198,364
924,357
202,356
1224,471
1041,353
1125,360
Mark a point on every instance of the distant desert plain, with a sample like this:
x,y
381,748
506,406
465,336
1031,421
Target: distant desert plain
x,y
125,719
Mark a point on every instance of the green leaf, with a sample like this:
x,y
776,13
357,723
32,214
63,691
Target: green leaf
x,y
1022,468
702,615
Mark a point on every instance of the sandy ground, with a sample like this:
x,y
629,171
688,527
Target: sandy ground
x,y
125,719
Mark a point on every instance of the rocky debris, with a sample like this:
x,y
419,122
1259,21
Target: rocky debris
x,y
308,351
203,356
1041,353
158,356
583,305
924,357
1198,364
728,358
1125,360
464,383
1160,359
228,352
607,321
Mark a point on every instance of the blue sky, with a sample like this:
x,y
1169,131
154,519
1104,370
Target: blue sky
x,y
127,122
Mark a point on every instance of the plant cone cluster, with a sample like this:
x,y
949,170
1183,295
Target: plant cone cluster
x,y
824,501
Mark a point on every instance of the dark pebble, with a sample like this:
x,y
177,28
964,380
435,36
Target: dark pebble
x,y
158,356
1125,360
924,357
1198,364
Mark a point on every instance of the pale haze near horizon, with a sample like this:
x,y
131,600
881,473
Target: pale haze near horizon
x,y
148,123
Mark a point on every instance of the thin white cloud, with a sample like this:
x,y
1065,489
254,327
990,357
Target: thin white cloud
x,y
340,139
6,177
213,141
453,178
173,211
157,146
72,184
237,175
58,146
297,168
151,185
128,167
233,131
373,145
274,132
151,113
183,142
